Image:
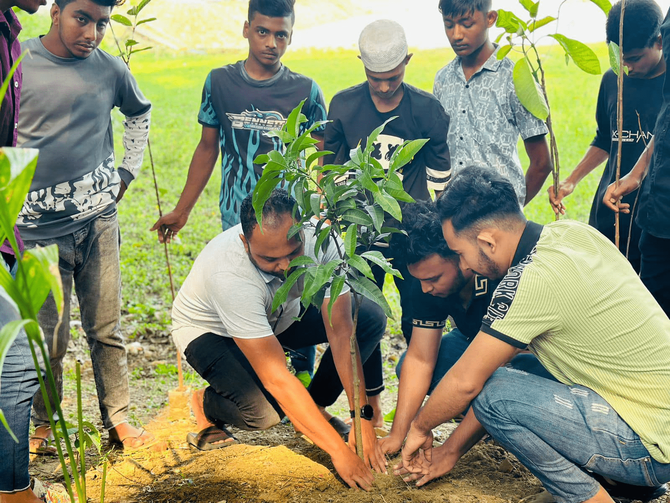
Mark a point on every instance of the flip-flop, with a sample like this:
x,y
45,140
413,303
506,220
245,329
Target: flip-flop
x,y
121,442
46,447
211,438
340,427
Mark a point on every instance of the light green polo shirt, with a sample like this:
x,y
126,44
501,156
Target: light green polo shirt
x,y
574,300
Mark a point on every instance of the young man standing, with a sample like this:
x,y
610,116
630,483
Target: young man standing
x,y
642,98
477,91
241,103
18,382
359,110
652,173
441,291
70,88
569,296
224,323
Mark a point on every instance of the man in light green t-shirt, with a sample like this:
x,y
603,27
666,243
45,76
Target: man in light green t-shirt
x,y
570,297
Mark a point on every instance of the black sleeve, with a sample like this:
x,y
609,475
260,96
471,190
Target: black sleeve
x,y
428,311
603,138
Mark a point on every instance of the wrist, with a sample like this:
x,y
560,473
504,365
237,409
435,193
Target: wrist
x,y
366,411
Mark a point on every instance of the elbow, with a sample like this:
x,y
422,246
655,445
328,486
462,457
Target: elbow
x,y
467,388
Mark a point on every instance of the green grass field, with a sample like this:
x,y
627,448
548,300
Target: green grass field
x,y
173,82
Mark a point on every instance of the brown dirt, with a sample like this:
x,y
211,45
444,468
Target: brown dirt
x,y
284,467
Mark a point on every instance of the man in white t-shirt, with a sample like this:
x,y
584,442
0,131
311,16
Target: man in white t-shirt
x,y
224,323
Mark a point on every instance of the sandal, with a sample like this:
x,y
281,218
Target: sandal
x,y
129,442
211,438
42,442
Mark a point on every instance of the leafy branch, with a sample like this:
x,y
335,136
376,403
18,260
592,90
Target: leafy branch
x,y
348,206
529,74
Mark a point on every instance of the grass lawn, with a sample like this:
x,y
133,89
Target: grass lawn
x,y
173,83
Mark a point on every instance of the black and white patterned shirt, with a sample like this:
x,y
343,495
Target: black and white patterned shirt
x,y
486,118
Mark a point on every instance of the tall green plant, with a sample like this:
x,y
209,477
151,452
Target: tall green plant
x,y
529,76
350,216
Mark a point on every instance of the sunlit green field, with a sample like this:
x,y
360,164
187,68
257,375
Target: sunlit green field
x,y
173,82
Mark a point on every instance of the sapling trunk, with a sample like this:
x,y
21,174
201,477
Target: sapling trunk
x,y
619,113
353,350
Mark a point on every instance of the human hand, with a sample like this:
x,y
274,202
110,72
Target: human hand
x,y
441,462
417,454
613,194
352,470
122,190
391,443
565,188
169,225
374,457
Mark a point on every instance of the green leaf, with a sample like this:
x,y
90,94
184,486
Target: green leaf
x,y
133,51
614,56
389,417
130,42
17,167
3,420
389,205
295,118
121,19
509,21
40,274
503,51
581,54
10,74
604,5
539,23
316,155
528,91
378,258
370,290
319,278
335,290
350,240
405,153
282,293
376,214
302,260
315,203
322,240
534,8
528,5
357,216
361,266
148,20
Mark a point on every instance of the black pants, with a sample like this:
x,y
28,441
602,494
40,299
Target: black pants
x,y
655,268
235,394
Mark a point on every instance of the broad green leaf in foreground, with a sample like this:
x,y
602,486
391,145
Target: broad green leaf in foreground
x,y
527,90
581,54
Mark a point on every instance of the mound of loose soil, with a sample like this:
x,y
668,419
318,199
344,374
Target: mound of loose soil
x,y
287,468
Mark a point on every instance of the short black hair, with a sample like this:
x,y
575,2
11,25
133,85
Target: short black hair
x,y
271,8
642,21
278,204
424,237
478,197
463,7
104,3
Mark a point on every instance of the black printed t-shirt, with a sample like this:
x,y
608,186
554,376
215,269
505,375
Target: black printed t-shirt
x,y
432,312
640,96
353,117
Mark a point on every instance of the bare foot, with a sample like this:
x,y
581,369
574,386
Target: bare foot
x,y
27,496
197,407
378,416
131,437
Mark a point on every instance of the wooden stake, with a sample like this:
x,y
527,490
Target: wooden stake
x,y
619,113
353,350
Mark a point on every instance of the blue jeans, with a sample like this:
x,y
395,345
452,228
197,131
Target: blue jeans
x,y
18,384
236,395
560,433
454,344
90,257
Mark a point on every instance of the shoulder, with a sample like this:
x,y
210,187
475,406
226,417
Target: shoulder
x,y
345,95
423,98
113,62
447,69
296,78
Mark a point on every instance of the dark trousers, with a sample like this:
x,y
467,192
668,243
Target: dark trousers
x,y
655,268
235,394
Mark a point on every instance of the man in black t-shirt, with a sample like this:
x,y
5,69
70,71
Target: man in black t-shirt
x,y
642,100
443,290
356,112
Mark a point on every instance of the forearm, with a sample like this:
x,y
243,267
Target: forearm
x,y
641,168
539,167
135,139
465,436
593,158
414,383
450,398
199,173
295,401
